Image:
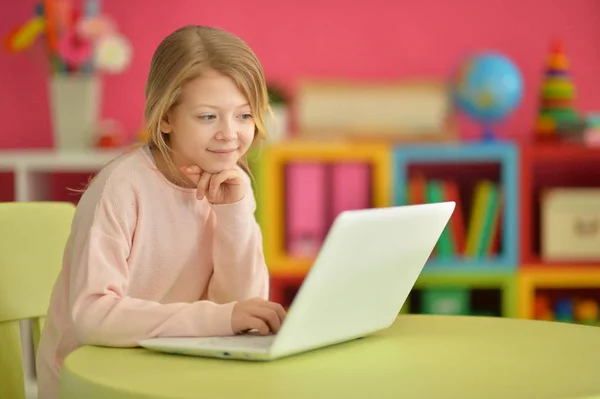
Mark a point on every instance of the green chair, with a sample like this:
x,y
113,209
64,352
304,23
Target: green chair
x,y
32,240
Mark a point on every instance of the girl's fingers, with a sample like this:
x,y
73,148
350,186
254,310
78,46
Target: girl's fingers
x,y
203,183
256,323
220,178
192,172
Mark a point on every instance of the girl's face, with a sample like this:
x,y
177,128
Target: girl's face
x,y
212,126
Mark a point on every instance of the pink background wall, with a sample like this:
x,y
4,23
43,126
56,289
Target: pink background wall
x,y
357,39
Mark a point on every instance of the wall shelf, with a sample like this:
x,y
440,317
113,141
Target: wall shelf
x,y
463,164
518,170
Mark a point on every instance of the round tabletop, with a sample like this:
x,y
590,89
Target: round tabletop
x,y
420,356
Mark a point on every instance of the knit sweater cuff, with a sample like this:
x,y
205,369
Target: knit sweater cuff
x,y
239,212
220,321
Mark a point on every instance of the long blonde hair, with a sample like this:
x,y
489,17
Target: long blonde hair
x,y
181,57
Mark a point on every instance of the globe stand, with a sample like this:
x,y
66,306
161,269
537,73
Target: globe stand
x,y
489,135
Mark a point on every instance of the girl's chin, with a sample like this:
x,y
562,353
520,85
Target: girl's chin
x,y
217,167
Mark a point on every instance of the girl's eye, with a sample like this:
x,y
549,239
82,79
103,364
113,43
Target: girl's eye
x,y
207,117
247,116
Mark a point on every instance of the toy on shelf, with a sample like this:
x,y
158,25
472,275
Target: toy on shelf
x,y
587,312
567,310
488,88
567,293
542,309
557,116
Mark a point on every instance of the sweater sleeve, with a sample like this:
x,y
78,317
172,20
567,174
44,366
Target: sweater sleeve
x,y
102,313
239,269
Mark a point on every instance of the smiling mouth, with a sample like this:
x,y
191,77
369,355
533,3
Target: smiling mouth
x,y
223,152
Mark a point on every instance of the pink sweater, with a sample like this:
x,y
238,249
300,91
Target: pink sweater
x,y
145,258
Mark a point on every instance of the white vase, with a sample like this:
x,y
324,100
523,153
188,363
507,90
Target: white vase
x,y
75,110
277,124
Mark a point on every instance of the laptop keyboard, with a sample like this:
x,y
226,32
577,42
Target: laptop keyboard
x,y
245,341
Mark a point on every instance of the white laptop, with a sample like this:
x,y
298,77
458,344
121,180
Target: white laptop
x,y
366,268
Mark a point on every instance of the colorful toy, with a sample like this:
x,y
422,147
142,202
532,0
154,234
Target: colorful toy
x,y
557,114
586,312
567,309
542,309
564,309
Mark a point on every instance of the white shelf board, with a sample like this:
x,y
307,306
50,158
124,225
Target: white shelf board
x,y
55,161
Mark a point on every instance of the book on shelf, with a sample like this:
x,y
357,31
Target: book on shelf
x,y
470,233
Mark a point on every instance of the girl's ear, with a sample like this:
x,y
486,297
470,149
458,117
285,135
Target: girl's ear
x,y
165,125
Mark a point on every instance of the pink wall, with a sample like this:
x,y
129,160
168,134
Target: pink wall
x,y
369,39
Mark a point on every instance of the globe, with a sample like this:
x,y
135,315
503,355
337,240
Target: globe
x,y
488,88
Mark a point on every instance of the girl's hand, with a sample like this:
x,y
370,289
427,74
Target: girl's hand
x,y
257,314
225,187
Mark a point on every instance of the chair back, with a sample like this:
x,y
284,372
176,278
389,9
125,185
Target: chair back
x,y
32,240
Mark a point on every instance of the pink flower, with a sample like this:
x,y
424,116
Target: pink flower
x,y
74,49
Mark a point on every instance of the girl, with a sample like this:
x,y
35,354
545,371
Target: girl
x,y
164,240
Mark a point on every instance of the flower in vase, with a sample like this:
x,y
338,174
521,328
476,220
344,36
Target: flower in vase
x,y
96,27
113,53
74,49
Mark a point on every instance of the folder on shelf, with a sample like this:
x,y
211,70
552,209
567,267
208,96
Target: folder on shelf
x,y
306,211
490,222
457,221
350,187
483,219
417,188
492,241
445,244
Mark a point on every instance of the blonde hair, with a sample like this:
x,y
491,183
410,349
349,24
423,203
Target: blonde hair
x,y
183,56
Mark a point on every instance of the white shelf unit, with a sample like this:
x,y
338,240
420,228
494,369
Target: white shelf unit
x,y
31,169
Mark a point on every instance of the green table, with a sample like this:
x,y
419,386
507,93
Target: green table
x,y
418,357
